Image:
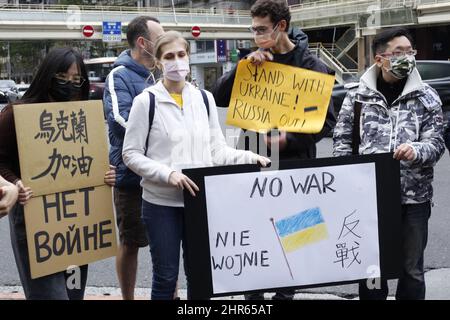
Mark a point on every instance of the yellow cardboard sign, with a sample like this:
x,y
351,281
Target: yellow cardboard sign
x,y
278,96
71,228
62,146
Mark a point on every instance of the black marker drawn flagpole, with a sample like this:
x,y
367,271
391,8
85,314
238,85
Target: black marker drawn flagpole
x,y
282,249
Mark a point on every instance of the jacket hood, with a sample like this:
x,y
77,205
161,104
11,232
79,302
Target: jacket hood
x,y
414,84
299,38
127,61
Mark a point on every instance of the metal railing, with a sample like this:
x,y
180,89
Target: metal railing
x,y
420,2
325,53
360,13
384,4
353,6
179,15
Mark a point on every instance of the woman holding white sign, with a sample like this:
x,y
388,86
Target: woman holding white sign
x,y
61,77
173,126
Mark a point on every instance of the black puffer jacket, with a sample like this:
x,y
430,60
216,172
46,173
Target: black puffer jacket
x,y
300,146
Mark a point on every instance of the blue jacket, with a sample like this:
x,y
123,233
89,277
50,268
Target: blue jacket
x,y
127,80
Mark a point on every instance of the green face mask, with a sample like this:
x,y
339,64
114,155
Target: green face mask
x,y
402,66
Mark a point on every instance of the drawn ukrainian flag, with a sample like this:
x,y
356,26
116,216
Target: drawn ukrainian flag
x,y
301,229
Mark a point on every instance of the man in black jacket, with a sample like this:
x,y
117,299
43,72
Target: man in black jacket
x,y
270,25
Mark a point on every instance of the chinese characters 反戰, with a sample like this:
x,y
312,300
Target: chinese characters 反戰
x,y
345,255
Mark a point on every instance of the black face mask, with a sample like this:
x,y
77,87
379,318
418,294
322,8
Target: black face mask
x,y
64,92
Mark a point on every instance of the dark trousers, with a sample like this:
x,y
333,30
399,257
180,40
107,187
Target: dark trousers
x,y
165,232
51,287
411,285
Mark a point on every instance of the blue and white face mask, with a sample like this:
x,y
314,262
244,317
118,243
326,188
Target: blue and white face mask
x,y
401,67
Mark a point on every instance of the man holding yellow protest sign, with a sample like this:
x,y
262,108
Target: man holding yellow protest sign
x,y
274,95
263,96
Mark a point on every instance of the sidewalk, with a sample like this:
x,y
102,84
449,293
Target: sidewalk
x,y
438,288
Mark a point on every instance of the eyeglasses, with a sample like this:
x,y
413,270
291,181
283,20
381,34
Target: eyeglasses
x,y
77,81
261,30
399,53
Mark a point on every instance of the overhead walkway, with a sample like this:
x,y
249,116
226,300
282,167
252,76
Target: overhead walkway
x,y
26,22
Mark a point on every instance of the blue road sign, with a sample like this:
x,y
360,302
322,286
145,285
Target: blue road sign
x,y
112,31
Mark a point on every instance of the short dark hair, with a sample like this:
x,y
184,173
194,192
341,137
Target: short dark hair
x,y
277,10
56,61
379,43
138,28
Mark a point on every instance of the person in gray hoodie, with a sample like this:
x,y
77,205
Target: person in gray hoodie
x,y
401,114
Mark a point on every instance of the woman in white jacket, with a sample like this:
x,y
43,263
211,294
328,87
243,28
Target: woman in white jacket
x,y
182,135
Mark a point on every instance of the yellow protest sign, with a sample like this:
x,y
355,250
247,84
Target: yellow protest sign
x,y
279,96
70,228
62,146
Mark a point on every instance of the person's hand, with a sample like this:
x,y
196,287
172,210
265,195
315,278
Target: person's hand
x,y
181,181
281,139
110,176
8,197
25,193
259,56
263,161
404,152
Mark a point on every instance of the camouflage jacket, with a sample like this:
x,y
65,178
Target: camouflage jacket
x,y
414,118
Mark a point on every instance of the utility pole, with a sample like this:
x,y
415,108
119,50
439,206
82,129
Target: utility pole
x,y
174,13
8,65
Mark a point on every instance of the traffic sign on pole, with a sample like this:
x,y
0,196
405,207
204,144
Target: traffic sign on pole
x,y
88,31
112,31
195,30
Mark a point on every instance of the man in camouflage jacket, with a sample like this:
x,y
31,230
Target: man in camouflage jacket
x,y
400,114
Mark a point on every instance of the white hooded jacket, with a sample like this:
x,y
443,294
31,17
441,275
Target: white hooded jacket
x,y
179,139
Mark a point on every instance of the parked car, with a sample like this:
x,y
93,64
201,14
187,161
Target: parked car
x,y
434,72
98,69
21,89
3,100
9,90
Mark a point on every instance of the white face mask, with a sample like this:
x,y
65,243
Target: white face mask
x,y
176,70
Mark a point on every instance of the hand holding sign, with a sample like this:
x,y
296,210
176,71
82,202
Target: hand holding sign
x,y
25,193
273,95
110,176
270,139
263,161
259,56
181,181
8,197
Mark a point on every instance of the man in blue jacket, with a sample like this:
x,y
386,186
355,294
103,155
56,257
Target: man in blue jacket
x,y
130,76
